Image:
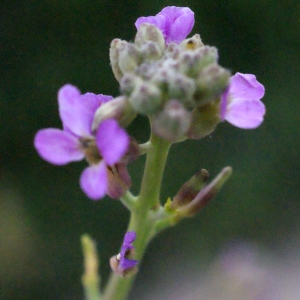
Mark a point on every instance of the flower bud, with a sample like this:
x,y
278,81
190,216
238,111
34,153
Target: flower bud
x,y
148,32
205,195
129,57
118,108
114,58
212,81
172,122
182,88
146,98
204,120
190,189
192,43
150,51
192,62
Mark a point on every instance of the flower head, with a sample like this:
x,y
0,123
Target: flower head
x,y
174,22
76,141
240,103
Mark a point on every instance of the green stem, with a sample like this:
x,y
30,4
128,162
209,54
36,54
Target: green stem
x,y
141,220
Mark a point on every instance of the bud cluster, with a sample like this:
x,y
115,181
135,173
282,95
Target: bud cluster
x,y
175,84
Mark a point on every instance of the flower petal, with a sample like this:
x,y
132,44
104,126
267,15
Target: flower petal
x,y
245,114
93,181
129,237
245,86
77,111
57,146
112,141
181,20
159,21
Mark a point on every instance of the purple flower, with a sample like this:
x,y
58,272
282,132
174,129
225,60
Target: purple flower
x,y
76,141
240,103
124,262
174,22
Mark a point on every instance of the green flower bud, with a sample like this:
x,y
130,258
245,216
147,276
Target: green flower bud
x,y
212,81
128,82
129,56
192,62
114,58
148,32
190,189
204,120
151,51
172,122
146,98
118,108
205,195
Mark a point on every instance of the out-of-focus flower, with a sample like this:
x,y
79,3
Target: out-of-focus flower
x,y
174,22
240,103
122,263
102,149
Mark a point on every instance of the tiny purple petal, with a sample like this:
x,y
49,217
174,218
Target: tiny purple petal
x,y
93,181
127,264
247,114
129,237
174,22
57,146
245,86
112,141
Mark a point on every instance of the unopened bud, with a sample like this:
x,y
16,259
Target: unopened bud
x,y
190,189
212,81
114,58
146,98
172,122
204,120
119,181
151,51
148,32
182,88
192,43
118,108
205,195
129,57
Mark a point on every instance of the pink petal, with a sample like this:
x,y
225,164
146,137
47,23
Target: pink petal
x,y
245,114
57,146
75,115
112,141
245,86
93,181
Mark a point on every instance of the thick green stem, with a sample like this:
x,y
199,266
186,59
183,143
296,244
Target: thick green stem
x,y
141,220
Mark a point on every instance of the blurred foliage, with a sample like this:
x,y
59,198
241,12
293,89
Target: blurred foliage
x,y
45,44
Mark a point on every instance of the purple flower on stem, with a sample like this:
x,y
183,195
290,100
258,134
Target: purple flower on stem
x,y
76,141
124,262
240,103
174,22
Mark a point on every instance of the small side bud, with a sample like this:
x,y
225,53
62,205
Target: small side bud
x,y
204,120
148,32
192,43
129,57
128,83
114,58
212,81
205,195
118,108
190,189
146,98
172,122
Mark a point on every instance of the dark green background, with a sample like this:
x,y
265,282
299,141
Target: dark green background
x,y
43,212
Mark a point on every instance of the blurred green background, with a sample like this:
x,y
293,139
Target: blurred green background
x,y
43,212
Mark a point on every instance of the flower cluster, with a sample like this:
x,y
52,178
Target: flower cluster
x,y
176,81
